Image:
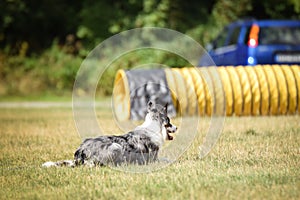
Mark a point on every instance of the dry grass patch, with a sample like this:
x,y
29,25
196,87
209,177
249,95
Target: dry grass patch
x,y
255,158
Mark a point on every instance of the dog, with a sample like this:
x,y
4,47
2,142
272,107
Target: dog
x,y
140,146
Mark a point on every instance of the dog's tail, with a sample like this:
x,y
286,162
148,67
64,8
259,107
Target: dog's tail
x,y
79,159
62,163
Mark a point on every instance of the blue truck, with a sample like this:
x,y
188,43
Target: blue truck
x,y
252,42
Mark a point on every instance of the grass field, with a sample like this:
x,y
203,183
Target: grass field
x,y
255,158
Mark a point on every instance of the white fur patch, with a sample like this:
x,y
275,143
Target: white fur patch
x,y
153,130
49,164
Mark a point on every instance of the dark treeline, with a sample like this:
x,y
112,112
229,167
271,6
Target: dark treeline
x,y
32,25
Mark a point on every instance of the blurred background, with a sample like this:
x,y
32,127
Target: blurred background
x,y
42,43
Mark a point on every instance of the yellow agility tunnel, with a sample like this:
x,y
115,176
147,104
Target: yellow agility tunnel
x,y
245,90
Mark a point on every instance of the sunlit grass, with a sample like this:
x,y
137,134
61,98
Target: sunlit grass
x,y
255,158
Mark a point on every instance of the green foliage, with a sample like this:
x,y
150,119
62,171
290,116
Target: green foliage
x,y
280,9
296,5
42,43
36,22
226,11
54,70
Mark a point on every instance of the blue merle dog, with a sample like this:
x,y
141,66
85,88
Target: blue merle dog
x,y
140,146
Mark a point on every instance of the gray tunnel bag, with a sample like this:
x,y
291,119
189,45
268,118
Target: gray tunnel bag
x,y
145,85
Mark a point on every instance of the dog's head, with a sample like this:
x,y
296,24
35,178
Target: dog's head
x,y
159,113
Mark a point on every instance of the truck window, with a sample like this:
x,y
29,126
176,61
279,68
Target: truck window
x,y
279,35
220,41
234,36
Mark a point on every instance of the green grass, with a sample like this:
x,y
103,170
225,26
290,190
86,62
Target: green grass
x,y
66,96
37,97
255,158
